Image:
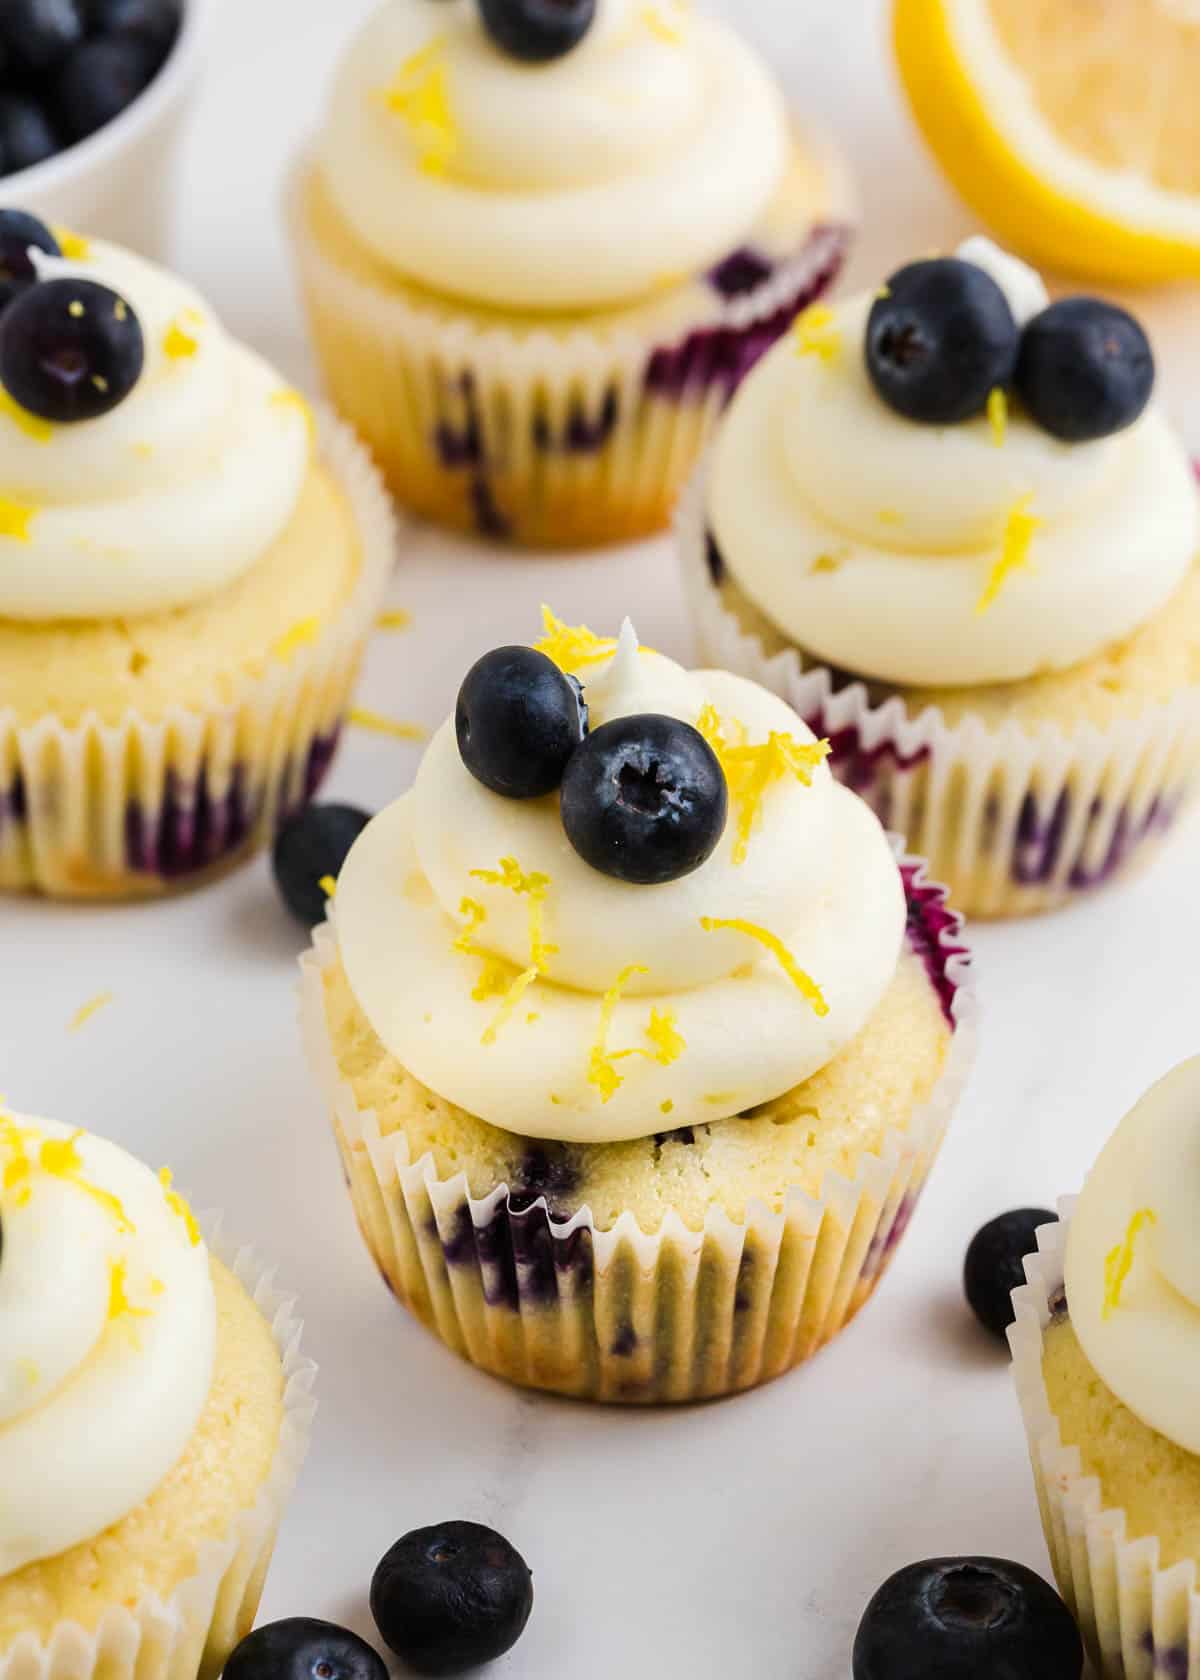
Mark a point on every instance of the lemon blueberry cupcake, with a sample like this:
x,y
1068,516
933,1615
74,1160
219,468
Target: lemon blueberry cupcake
x,y
639,1040
950,525
541,244
154,1412
189,567
1106,1349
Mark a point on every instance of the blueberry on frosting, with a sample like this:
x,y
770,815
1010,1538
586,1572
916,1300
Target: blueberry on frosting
x,y
537,31
518,720
645,799
1086,369
19,233
940,339
70,349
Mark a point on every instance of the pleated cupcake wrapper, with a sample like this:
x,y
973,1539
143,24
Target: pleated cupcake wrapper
x,y
550,439
119,809
1014,819
189,1635
623,1314
1139,1621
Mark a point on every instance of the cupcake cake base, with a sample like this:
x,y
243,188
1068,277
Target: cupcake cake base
x,y
610,1272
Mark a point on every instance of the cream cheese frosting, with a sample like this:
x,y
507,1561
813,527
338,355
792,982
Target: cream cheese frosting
x,y
171,495
976,553
1133,1260
107,1336
645,154
555,1001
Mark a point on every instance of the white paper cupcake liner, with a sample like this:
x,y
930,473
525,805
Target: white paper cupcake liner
x,y
1139,1621
1015,820
189,1635
548,438
621,1314
97,809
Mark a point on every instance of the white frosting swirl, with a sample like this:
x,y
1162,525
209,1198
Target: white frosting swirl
x,y
1133,1260
873,541
647,152
107,1336
171,495
818,874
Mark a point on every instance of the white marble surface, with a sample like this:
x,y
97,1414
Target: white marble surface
x,y
734,1539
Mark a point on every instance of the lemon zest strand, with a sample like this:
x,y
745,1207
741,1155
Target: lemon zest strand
x,y
534,886
1019,532
72,245
396,618
304,631
571,646
328,885
41,431
119,1304
362,717
1119,1261
601,1072
178,343
420,97
804,983
86,1010
997,413
817,334
662,26
288,397
15,519
179,1206
476,916
751,771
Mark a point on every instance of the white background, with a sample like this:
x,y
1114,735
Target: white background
x,y
728,1540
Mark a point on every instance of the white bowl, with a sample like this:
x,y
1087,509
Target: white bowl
x,y
116,184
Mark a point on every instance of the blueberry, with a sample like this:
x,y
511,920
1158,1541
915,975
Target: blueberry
x,y
98,81
993,1267
1086,369
70,350
644,799
155,23
40,33
303,1648
967,1619
18,231
940,338
450,1597
519,719
26,135
312,848
537,31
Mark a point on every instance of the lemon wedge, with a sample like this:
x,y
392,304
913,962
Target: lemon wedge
x,y
1070,126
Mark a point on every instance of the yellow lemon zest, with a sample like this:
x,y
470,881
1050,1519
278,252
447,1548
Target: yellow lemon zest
x,y
72,245
41,431
179,1206
804,983
817,333
534,886
302,632
119,1304
15,519
394,619
476,916
1119,1261
362,717
571,646
601,1072
178,343
495,978
86,1010
666,1107
1019,532
663,1032
663,25
328,885
751,771
288,397
997,413
420,97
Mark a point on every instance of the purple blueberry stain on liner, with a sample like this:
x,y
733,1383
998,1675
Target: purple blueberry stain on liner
x,y
743,271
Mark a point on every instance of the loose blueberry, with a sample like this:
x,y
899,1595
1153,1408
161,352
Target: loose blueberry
x,y
940,338
644,799
450,1597
312,848
98,81
519,719
70,350
155,23
967,1619
303,1648
537,31
40,33
26,135
994,1267
1086,369
18,231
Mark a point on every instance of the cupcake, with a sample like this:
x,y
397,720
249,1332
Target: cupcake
x,y
541,244
947,522
190,564
1106,1350
154,1412
638,1037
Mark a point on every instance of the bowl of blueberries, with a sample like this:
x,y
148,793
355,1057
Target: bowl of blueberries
x,y
92,93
